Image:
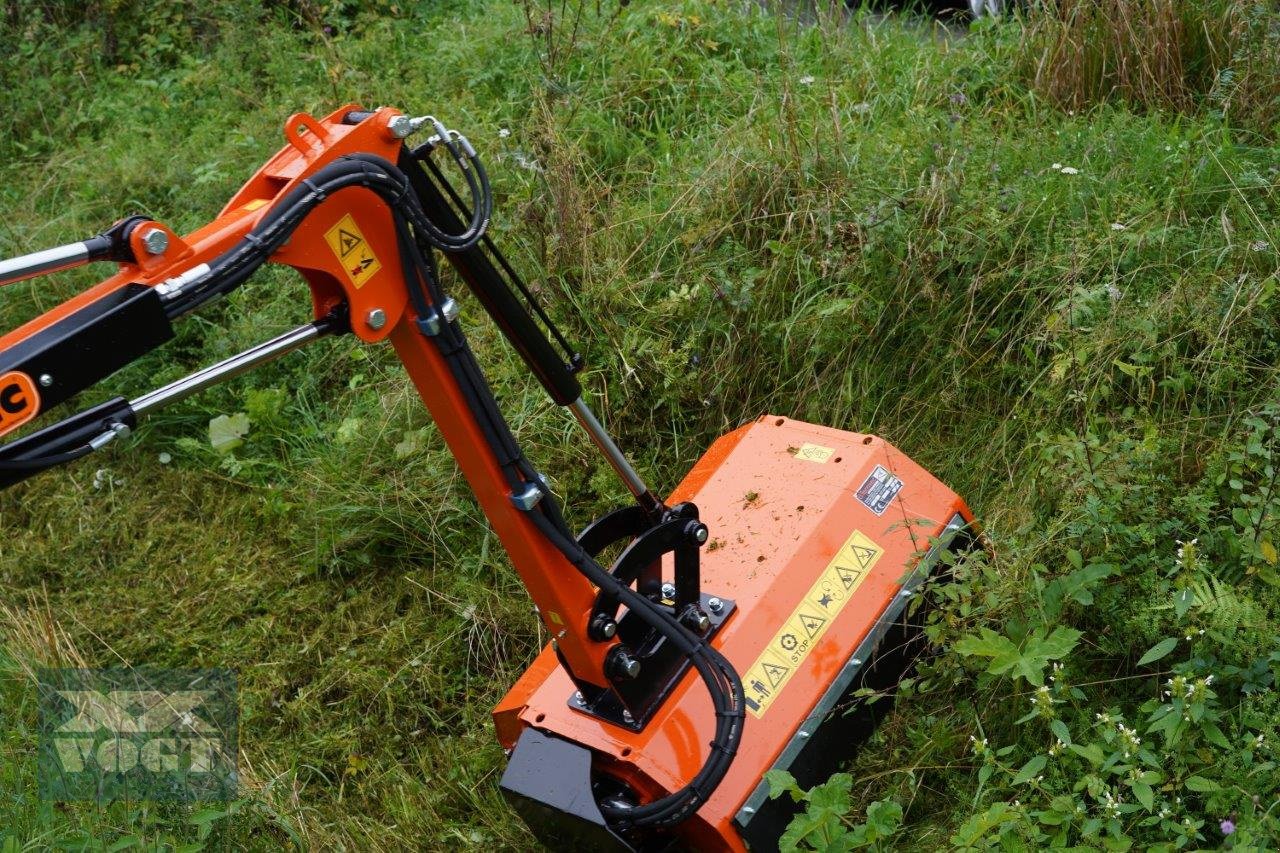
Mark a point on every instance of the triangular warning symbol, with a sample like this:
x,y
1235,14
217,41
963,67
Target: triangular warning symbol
x,y
775,673
348,241
812,624
863,555
849,577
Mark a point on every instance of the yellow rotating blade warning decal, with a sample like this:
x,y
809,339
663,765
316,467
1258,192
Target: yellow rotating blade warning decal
x,y
352,251
809,621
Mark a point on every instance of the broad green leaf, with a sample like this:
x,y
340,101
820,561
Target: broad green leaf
x,y
1030,770
883,819
781,782
833,793
1182,601
1159,650
1201,784
1060,729
1214,735
1029,661
1143,793
227,432
1091,753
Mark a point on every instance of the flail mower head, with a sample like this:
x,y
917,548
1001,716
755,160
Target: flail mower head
x,y
820,540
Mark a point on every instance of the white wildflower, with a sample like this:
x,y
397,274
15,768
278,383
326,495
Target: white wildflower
x,y
1118,226
1069,170
806,80
503,133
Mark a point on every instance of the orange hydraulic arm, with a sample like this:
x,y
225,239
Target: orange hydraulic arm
x,y
361,217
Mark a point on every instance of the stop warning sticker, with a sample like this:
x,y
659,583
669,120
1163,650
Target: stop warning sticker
x,y
809,621
352,250
19,400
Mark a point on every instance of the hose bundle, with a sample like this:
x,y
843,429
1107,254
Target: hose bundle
x,y
418,237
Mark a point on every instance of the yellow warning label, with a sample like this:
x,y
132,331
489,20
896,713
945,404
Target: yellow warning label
x,y
814,453
809,621
352,251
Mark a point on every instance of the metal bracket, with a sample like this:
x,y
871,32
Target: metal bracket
x,y
432,324
633,703
528,497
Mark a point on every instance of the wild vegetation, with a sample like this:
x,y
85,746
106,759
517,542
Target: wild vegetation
x,y
1040,257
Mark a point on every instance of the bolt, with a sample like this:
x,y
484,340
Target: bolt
x,y
700,535
45,380
602,627
698,621
376,319
622,664
121,430
155,241
715,605
577,697
669,591
626,716
400,126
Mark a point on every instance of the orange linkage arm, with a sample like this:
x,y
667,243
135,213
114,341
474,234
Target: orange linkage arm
x,y
348,251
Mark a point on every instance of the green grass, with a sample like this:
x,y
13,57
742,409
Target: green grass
x,y
860,225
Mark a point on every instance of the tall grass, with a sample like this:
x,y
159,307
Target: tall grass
x,y
1158,54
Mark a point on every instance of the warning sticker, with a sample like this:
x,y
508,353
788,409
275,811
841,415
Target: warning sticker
x,y
814,453
878,490
19,400
352,251
809,621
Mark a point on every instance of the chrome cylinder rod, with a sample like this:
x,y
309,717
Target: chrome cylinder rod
x,y
42,263
605,442
234,366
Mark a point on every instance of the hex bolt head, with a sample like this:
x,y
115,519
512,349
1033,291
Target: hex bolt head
x,y
669,591
715,605
699,621
602,628
46,380
621,664
399,126
155,241
376,319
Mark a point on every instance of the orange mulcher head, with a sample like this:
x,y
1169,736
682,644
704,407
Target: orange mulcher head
x,y
819,539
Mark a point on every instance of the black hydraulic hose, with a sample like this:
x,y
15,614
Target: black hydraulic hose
x,y
235,266
723,682
377,175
